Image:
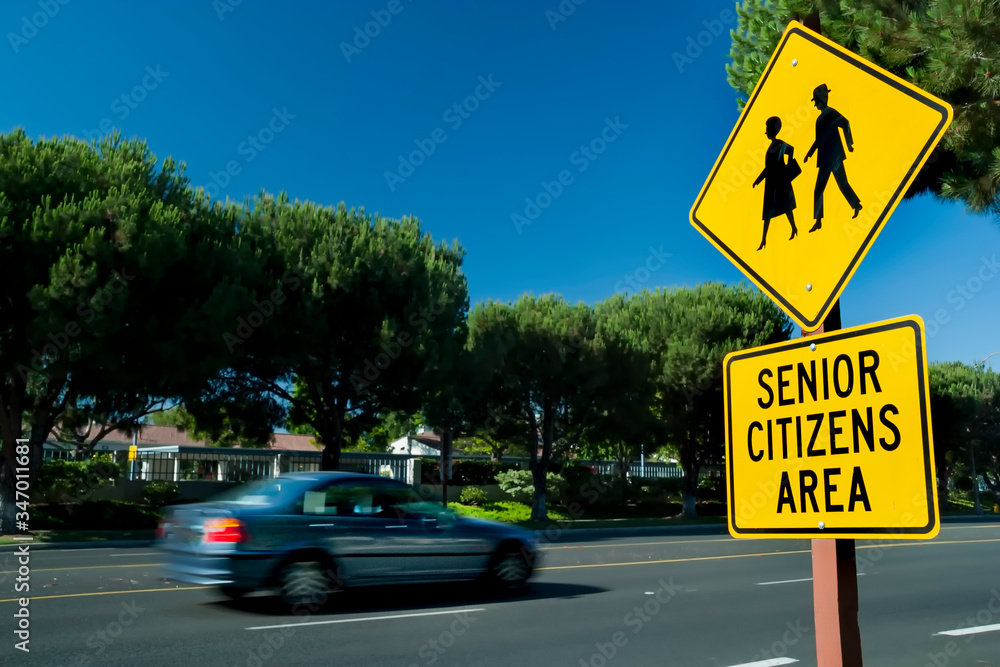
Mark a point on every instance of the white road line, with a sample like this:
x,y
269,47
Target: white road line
x,y
773,662
794,581
786,581
148,553
369,618
970,631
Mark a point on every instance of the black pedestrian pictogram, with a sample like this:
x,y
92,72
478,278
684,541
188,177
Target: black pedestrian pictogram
x,y
831,153
779,198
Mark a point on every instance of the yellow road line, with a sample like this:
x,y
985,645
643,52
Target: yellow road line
x,y
775,553
558,567
635,544
84,595
85,567
720,539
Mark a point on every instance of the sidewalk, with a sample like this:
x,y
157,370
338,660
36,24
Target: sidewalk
x,y
555,535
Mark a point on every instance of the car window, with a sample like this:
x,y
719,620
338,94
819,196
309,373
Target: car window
x,y
261,492
373,498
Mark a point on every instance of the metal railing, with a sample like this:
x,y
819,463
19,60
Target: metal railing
x,y
244,465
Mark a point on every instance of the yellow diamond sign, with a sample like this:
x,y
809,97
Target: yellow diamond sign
x,y
824,151
830,436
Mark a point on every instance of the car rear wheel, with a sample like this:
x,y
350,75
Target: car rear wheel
x,y
510,570
304,582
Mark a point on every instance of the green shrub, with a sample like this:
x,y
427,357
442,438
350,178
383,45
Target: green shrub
x,y
712,488
430,471
161,493
464,472
94,515
520,486
507,511
64,481
473,472
660,489
472,495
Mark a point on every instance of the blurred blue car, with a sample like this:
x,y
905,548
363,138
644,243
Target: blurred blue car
x,y
307,535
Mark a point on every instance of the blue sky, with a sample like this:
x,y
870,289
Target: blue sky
x,y
200,78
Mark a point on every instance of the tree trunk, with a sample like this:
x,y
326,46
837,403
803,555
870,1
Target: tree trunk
x,y
40,430
944,474
11,423
538,509
691,471
623,471
333,442
540,465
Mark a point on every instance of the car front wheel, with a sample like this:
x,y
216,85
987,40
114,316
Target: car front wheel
x,y
510,570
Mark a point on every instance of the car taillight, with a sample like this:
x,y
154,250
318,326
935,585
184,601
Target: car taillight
x,y
161,529
226,530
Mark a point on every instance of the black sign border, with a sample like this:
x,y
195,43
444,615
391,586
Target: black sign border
x,y
929,480
876,228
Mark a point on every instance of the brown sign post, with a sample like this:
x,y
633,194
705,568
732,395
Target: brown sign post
x,y
835,577
834,562
805,275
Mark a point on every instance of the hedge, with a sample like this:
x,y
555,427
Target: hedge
x,y
93,515
464,472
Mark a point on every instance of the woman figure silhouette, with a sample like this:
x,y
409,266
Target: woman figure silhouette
x,y
779,198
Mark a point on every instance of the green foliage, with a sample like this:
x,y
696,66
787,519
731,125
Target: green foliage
x,y
224,428
93,515
506,511
521,487
948,47
161,493
661,488
472,495
120,281
371,308
464,472
390,427
686,333
60,480
712,488
471,471
541,367
965,415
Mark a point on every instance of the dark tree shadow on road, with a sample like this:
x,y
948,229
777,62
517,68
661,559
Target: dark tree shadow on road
x,y
405,597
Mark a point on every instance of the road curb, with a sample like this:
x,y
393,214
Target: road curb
x,y
109,544
556,534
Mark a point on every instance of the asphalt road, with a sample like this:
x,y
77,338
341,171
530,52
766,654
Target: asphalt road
x,y
692,600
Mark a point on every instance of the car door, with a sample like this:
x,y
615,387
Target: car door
x,y
423,541
342,513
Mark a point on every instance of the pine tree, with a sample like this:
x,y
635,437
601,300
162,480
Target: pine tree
x,y
950,48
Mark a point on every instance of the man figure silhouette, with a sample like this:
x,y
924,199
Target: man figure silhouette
x,y
831,154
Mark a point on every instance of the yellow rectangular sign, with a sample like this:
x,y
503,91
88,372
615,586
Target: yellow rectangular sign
x,y
830,436
132,450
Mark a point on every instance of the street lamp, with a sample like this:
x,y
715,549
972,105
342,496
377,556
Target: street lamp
x,y
980,363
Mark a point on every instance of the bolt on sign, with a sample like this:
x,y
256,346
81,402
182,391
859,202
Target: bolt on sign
x,y
830,436
822,154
